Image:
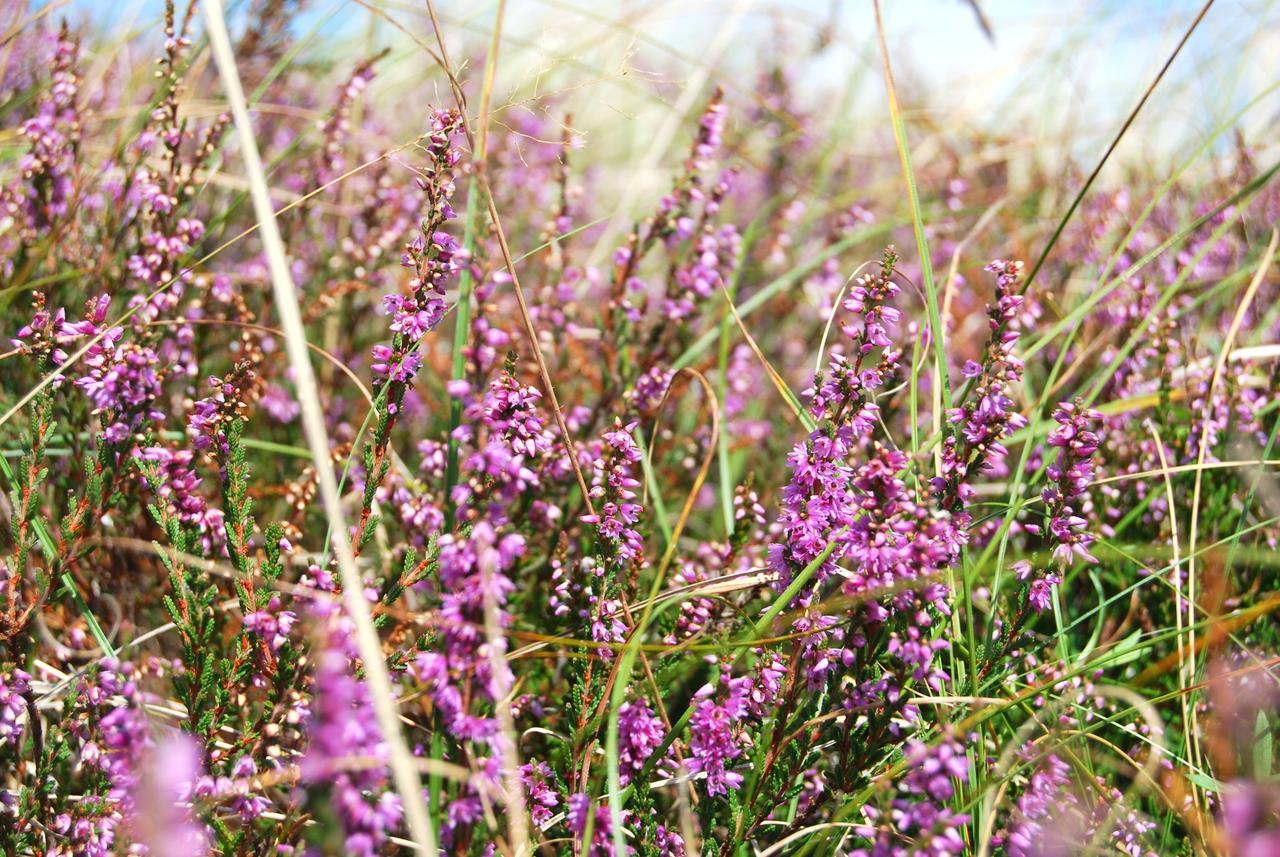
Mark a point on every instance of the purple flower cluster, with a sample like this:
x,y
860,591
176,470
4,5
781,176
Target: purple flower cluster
x,y
703,252
538,781
121,735
210,417
14,687
710,132
896,545
461,668
155,264
987,416
613,487
121,379
1069,480
433,257
178,485
48,168
715,734
116,741
640,732
743,377
337,128
49,333
1035,806
1250,819
668,842
820,503
1068,485
714,253
920,821
414,318
649,388
581,816
271,624
343,727
236,791
507,463
1053,815
163,819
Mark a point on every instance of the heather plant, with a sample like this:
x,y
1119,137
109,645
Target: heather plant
x,y
794,486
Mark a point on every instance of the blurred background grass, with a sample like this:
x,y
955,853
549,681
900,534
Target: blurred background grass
x,y
1052,81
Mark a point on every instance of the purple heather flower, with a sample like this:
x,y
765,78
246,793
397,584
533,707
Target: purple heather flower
x,y
125,735
931,770
987,416
710,132
121,379
821,499
1068,483
410,319
640,732
336,130
279,404
206,423
613,482
511,459
1035,805
163,818
1040,593
1069,479
649,388
1250,819
397,367
713,257
668,842
434,256
1052,816
271,624
50,334
46,189
472,570
92,834
579,811
157,264
14,687
511,411
178,485
342,726
919,821
713,735
541,795
235,791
